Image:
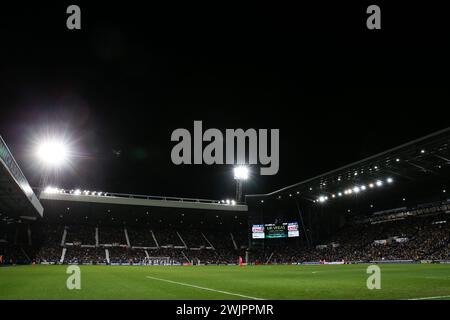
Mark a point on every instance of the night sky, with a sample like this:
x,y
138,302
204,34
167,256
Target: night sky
x,y
133,74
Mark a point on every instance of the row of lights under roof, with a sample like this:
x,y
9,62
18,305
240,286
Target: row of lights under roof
x,y
354,190
422,151
228,202
77,192
53,190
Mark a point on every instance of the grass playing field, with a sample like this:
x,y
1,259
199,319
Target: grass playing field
x,y
227,282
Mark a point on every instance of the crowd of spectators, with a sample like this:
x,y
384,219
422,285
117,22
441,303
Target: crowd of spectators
x,y
80,234
410,238
85,255
419,238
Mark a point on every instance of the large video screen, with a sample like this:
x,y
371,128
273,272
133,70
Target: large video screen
x,y
278,230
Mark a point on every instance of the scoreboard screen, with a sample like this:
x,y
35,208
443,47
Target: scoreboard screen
x,y
278,230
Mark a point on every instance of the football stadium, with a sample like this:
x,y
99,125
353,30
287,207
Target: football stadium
x,y
315,239
224,159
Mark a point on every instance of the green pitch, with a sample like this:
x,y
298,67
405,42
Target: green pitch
x,y
227,282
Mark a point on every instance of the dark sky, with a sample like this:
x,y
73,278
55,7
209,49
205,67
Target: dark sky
x,y
133,74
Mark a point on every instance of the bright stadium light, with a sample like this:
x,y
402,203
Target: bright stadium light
x,y
52,153
379,183
241,173
50,190
389,180
77,192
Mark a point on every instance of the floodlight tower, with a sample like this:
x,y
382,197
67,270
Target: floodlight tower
x,y
241,174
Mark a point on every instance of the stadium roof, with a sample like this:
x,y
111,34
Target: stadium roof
x,y
17,199
113,210
140,200
407,162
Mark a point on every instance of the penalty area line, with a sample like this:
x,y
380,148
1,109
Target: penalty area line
x,y
203,288
431,298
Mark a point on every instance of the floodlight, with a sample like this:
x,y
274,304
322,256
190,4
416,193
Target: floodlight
x,y
389,180
371,185
379,183
50,190
233,203
52,153
77,192
241,173
356,189
340,194
363,187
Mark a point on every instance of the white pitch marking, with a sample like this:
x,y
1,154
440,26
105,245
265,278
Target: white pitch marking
x,y
431,298
203,288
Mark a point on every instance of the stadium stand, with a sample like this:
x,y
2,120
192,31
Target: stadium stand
x,y
415,238
422,234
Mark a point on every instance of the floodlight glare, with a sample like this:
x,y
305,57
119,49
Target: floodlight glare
x,y
52,153
50,190
241,173
390,180
379,183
